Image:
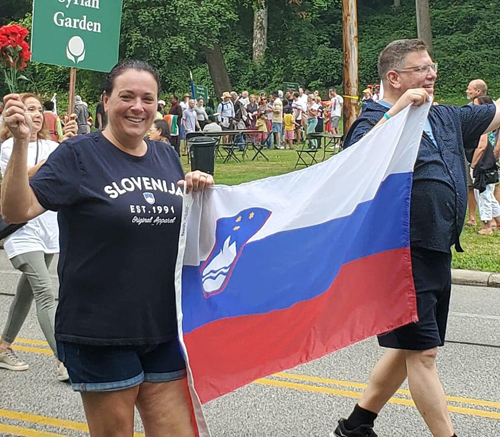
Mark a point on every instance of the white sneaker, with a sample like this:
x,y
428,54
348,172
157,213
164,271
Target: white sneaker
x,y
10,361
62,373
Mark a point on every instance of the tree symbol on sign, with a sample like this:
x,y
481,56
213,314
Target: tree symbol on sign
x,y
75,50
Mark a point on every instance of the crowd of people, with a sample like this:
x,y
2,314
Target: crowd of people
x,y
281,119
115,329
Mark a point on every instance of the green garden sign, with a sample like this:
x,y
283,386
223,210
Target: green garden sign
x,y
200,91
82,34
291,86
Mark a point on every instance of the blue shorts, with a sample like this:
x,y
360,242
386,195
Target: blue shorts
x,y
277,128
112,368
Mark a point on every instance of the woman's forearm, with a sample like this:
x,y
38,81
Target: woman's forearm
x,y
16,192
478,153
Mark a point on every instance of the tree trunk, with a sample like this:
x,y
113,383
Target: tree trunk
x,y
259,31
350,40
218,70
424,21
397,4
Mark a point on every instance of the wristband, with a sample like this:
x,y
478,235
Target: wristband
x,y
387,116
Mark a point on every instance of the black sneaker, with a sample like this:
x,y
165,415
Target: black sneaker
x,y
360,431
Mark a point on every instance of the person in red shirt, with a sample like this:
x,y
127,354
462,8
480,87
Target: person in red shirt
x,y
52,121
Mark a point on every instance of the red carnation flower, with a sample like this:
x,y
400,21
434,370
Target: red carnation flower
x,y
14,52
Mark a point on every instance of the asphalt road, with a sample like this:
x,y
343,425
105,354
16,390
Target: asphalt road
x,y
303,402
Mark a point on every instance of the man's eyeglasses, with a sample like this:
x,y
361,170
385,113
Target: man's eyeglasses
x,y
421,69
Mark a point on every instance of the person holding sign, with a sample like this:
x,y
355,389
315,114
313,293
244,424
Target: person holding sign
x,y
32,247
119,199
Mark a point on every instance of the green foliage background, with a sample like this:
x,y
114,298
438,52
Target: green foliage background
x,y
304,43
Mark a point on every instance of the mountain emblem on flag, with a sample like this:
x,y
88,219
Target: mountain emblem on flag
x,y
150,198
231,236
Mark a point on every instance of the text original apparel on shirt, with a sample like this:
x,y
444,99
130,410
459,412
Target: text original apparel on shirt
x,y
42,232
119,219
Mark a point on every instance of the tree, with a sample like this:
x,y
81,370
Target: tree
x,y
177,35
259,31
218,69
424,21
397,4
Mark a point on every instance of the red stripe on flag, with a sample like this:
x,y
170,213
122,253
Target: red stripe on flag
x,y
369,296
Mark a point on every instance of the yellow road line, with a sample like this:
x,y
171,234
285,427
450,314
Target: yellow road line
x,y
44,420
30,341
357,394
298,377
48,421
25,432
36,350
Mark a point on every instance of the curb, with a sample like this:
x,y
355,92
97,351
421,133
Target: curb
x,y
475,278
458,277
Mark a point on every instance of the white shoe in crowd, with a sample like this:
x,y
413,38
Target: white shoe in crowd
x,y
10,361
62,373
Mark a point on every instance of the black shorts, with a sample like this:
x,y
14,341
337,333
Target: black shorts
x,y
432,278
112,368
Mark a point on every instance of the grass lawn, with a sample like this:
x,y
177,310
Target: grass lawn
x,y
481,252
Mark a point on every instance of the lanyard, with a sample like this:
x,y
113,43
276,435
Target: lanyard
x,y
37,151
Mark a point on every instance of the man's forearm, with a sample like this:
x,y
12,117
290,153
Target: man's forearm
x,y
16,192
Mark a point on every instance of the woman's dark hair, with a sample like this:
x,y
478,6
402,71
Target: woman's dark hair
x,y
163,127
484,100
129,64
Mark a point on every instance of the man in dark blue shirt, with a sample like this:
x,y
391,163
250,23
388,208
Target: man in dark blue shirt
x,y
438,206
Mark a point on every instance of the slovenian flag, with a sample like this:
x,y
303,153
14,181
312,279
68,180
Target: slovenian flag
x,y
280,271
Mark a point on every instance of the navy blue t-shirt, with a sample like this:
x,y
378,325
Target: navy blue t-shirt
x,y
119,219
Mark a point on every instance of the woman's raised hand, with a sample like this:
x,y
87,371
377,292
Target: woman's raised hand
x,y
15,117
71,127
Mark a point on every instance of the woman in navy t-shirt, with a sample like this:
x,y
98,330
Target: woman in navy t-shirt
x,y
119,201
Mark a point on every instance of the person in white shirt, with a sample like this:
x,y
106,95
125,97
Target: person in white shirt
x,y
312,120
277,119
298,112
335,109
303,98
244,98
225,110
31,248
212,126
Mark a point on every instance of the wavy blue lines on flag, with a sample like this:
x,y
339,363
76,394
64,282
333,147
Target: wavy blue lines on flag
x,y
277,272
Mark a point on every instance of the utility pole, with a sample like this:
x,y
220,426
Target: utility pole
x,y
350,38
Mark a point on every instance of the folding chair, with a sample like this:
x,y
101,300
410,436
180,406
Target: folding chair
x,y
333,145
306,155
259,147
230,149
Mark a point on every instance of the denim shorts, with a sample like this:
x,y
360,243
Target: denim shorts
x,y
277,127
111,368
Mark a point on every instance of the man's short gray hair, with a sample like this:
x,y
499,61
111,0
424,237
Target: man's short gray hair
x,y
393,57
481,86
